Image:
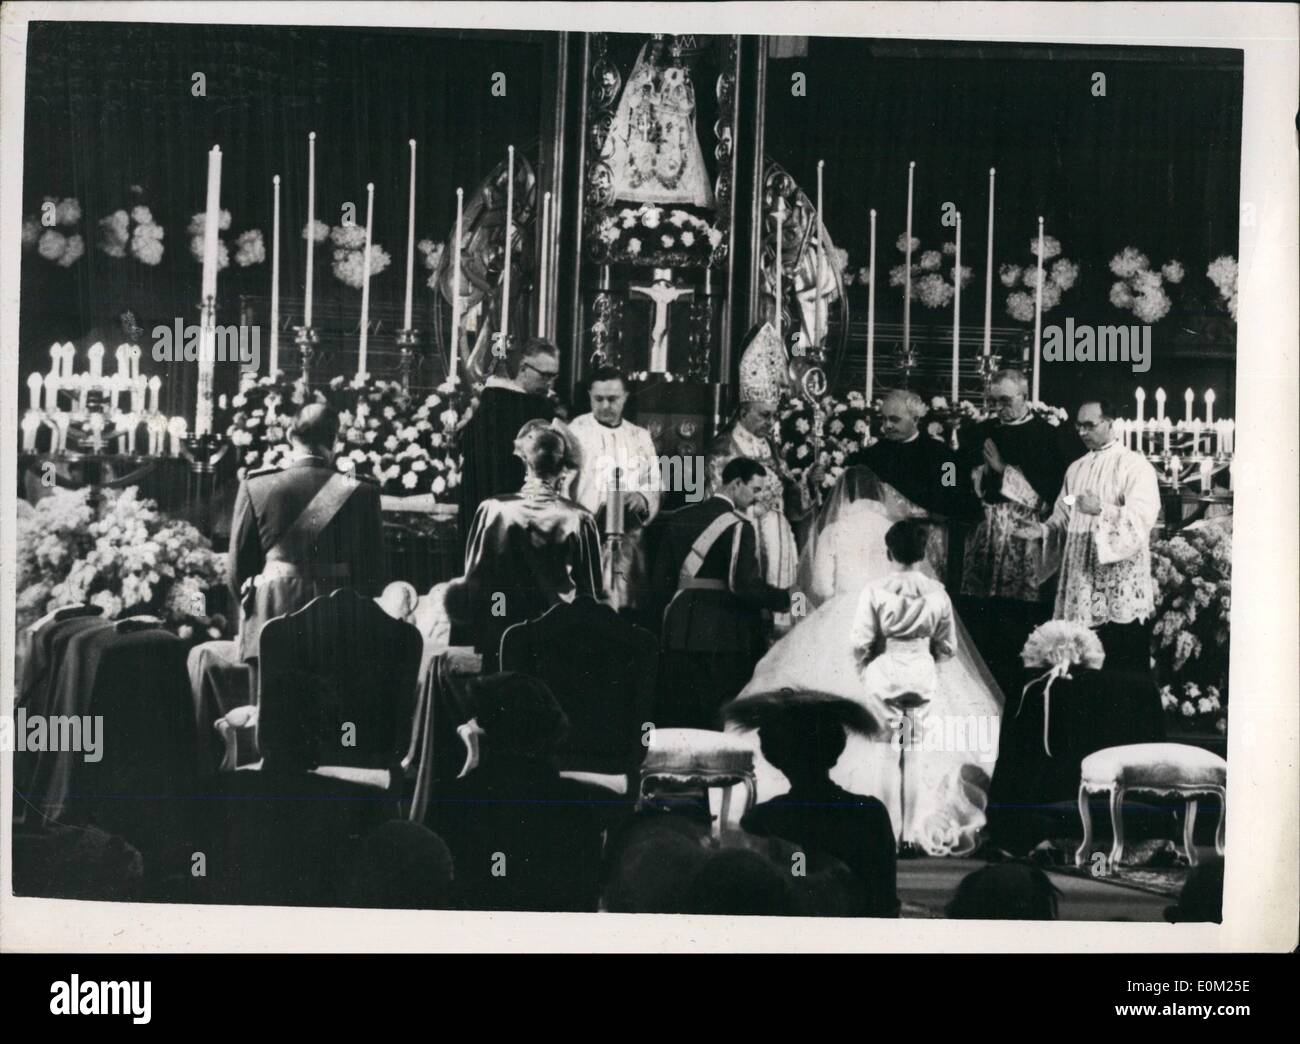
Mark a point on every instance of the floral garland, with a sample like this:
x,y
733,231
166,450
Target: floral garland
x,y
405,442
654,235
131,556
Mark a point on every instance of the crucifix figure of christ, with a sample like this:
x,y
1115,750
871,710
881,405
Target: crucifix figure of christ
x,y
662,292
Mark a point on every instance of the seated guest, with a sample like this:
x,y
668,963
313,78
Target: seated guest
x,y
522,836
714,634
804,741
527,550
1005,892
401,866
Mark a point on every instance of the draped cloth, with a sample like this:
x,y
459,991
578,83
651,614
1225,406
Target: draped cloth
x,y
947,774
1105,559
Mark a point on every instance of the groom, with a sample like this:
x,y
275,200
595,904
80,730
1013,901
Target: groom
x,y
713,628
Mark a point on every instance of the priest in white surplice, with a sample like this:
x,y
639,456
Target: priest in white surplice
x,y
609,442
1100,535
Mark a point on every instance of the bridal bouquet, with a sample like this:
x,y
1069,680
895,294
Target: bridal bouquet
x,y
128,557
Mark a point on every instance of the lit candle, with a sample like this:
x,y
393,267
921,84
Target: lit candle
x,y
821,257
311,223
176,429
365,283
956,312
95,356
1166,427
907,265
69,359
211,224
52,378
31,425
988,275
1141,396
1038,310
1160,404
275,277
871,313
155,389
543,249
410,243
510,231
1209,406
1189,397
455,282
123,354
34,390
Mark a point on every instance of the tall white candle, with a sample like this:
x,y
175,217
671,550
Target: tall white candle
x,y
871,313
988,275
410,244
821,256
455,283
1209,407
1038,310
907,265
365,282
780,231
956,312
211,224
510,230
1160,404
275,276
311,224
1189,397
544,271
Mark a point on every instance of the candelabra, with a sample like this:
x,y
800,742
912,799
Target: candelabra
x,y
306,338
406,341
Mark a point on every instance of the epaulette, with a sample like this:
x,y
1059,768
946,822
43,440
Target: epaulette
x,y
269,469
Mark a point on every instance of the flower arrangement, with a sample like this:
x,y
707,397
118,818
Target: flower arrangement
x,y
1192,708
1022,281
846,429
128,557
349,255
931,285
1193,576
54,236
133,231
1223,274
1140,288
654,235
250,249
431,253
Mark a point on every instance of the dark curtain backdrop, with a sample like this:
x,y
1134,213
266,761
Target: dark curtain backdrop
x,y
110,106
1154,164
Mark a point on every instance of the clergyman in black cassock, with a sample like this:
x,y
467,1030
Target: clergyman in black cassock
x,y
713,633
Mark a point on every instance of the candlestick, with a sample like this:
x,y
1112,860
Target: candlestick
x,y
907,267
988,275
365,284
211,225
1207,473
543,263
871,314
821,257
1038,310
155,389
34,390
275,277
510,228
1160,404
1188,398
956,312
455,284
1209,406
311,224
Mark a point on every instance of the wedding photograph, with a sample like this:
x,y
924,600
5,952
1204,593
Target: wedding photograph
x,y
692,473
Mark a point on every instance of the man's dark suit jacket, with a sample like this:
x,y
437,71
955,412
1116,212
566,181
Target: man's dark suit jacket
x,y
349,551
720,620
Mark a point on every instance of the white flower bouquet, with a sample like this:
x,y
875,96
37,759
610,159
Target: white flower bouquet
x,y
666,237
55,235
1140,289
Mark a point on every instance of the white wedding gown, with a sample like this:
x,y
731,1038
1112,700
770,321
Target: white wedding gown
x,y
953,747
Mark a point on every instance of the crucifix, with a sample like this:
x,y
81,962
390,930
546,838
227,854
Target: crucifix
x,y
662,292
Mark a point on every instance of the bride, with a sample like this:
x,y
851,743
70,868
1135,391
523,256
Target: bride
x,y
948,746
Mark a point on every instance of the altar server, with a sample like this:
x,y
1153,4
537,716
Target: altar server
x,y
1100,534
609,444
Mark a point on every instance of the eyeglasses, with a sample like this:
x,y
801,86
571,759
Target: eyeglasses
x,y
549,376
1089,425
1006,400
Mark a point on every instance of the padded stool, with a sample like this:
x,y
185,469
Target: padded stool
x,y
700,757
1153,768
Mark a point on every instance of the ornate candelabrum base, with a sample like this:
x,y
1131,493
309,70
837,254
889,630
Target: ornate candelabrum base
x,y
204,453
306,338
407,340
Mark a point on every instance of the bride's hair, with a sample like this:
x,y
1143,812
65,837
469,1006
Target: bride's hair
x,y
906,541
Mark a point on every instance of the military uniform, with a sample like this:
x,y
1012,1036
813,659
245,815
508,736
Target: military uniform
x,y
299,532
